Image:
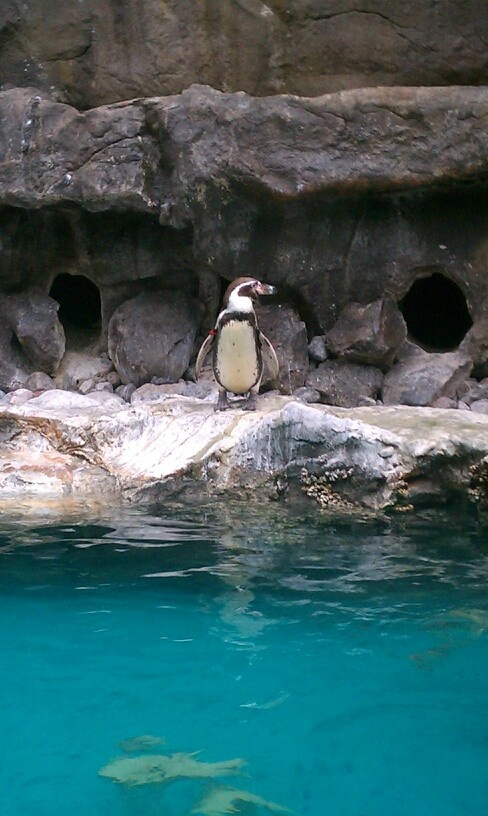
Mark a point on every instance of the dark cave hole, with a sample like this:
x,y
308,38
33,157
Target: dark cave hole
x,y
79,301
436,313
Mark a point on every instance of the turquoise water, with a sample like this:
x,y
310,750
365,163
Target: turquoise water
x,y
345,662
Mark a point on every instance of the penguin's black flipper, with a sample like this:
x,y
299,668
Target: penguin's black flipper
x,y
204,350
270,359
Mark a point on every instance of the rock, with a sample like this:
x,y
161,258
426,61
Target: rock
x,y
370,333
362,401
339,459
125,391
19,396
66,403
33,317
106,398
104,386
288,334
317,349
39,381
463,406
480,406
86,386
31,336
472,390
344,384
421,380
297,147
113,378
307,394
201,390
94,193
77,367
152,336
409,349
92,54
445,402
151,391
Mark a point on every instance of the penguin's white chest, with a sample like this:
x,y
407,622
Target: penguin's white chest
x,y
237,360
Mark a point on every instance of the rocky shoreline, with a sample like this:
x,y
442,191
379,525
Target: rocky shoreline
x,y
62,447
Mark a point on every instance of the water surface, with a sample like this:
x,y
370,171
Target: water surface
x,y
344,661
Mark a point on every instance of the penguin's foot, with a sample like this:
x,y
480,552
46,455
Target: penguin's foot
x,y
249,404
222,403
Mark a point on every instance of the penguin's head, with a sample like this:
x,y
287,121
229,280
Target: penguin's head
x,y
239,296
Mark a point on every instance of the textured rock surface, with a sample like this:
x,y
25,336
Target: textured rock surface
x,y
152,336
288,334
66,444
423,379
203,186
344,384
356,195
97,52
368,333
375,138
31,336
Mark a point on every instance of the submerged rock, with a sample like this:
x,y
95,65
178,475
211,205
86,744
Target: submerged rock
x,y
222,800
162,768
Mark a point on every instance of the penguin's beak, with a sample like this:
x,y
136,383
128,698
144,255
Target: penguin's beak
x,y
265,289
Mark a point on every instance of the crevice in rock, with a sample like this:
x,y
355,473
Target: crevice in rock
x,y
436,313
79,308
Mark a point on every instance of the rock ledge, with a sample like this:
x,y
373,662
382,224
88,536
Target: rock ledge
x,y
63,445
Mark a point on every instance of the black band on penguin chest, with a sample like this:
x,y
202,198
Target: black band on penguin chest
x,y
247,317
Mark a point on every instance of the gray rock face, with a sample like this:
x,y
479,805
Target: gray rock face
x,y
292,147
423,379
173,188
472,390
307,394
480,406
98,53
288,335
66,445
31,336
39,381
77,367
33,317
370,333
344,384
317,349
152,336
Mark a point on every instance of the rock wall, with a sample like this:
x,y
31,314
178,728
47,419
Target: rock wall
x,y
93,52
120,184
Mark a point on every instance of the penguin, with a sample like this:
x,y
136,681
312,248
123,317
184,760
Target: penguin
x,y
239,348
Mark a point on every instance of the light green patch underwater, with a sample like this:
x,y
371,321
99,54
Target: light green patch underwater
x,y
159,768
221,801
162,769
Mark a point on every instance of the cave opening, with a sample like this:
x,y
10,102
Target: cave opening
x,y
436,313
80,308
